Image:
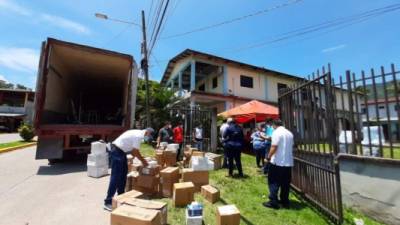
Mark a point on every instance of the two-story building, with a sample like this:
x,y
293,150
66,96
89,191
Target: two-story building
x,y
15,106
216,82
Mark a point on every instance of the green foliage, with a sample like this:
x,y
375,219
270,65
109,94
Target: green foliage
x,y
160,97
26,132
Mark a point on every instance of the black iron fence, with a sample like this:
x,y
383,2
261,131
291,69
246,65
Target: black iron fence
x,y
192,116
369,111
354,115
307,110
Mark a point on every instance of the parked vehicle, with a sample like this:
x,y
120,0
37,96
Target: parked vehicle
x,y
83,94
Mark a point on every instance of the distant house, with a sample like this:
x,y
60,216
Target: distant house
x,y
15,107
216,82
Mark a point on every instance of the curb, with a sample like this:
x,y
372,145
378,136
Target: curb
x,y
17,147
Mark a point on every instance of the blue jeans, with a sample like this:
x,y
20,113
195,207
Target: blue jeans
x,y
199,145
119,171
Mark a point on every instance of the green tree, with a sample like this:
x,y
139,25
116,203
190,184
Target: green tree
x,y
4,84
21,87
160,97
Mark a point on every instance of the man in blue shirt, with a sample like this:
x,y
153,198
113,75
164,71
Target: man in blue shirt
x,y
234,139
268,133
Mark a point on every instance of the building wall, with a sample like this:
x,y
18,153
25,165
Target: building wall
x,y
265,85
381,110
208,84
376,191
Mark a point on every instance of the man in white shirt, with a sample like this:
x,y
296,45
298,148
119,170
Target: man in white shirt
x,y
128,142
280,158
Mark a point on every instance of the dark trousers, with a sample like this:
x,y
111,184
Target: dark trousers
x,y
279,178
178,153
119,171
225,161
260,156
234,154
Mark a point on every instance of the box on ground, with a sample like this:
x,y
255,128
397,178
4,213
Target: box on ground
x,y
160,157
149,185
169,176
131,180
228,215
98,147
199,178
216,159
161,207
210,193
152,171
98,160
119,199
183,193
127,215
96,172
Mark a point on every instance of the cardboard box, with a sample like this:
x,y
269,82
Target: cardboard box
x,y
198,178
228,215
131,180
170,174
126,214
170,158
183,193
161,207
217,159
198,153
148,181
160,157
119,199
210,193
151,171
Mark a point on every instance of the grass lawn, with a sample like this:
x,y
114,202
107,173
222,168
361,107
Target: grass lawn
x,y
248,194
13,144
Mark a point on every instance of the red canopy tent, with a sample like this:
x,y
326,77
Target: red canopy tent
x,y
253,110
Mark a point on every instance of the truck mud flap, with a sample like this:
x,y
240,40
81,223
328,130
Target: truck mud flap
x,y
50,148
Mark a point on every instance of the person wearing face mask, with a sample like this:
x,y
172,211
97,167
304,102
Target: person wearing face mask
x,y
128,142
165,134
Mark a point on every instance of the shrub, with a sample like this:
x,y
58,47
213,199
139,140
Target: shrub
x,y
26,132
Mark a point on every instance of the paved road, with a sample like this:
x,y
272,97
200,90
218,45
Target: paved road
x,y
9,137
33,193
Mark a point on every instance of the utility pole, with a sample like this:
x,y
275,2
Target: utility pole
x,y
145,68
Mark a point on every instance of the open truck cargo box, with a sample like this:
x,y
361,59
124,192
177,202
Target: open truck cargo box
x,y
82,94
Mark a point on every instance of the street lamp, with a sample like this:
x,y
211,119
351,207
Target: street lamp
x,y
105,17
144,63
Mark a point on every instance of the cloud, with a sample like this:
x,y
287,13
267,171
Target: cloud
x,y
21,59
334,48
64,23
57,21
14,7
3,78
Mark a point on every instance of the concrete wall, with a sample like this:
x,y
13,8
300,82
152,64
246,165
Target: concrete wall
x,y
372,186
208,84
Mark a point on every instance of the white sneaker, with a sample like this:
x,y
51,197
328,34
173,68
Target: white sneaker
x,y
107,207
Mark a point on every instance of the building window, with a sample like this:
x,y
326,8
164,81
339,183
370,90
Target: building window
x,y
202,87
215,82
281,86
246,81
381,107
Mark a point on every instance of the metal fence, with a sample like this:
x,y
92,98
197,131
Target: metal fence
x,y
191,116
356,115
368,123
307,110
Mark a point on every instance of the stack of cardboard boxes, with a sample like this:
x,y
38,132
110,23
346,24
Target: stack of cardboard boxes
x,y
169,176
129,208
198,178
97,160
215,159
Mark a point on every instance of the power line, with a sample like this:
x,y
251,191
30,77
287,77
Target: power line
x,y
156,20
338,23
231,20
159,27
